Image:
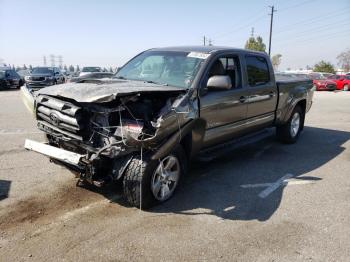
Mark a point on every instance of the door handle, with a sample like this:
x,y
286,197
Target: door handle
x,y
242,99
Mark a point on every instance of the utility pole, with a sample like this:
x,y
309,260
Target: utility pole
x,y
252,32
204,40
272,11
210,42
52,59
44,58
60,61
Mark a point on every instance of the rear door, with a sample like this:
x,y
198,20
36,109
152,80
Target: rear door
x,y
262,91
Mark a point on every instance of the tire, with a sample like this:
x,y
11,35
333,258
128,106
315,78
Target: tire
x,y
346,87
289,132
145,172
20,84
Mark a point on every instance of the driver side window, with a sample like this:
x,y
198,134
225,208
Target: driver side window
x,y
227,66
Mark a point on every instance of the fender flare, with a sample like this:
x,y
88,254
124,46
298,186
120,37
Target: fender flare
x,y
196,127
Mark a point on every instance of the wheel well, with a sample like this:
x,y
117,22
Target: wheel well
x,y
302,105
186,143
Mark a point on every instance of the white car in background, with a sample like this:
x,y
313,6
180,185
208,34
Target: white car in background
x,y
90,69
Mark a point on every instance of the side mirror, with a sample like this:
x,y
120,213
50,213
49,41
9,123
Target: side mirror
x,y
219,82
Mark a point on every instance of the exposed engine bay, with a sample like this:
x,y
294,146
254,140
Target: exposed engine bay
x,y
113,130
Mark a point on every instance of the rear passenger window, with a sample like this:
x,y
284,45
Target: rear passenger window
x,y
258,70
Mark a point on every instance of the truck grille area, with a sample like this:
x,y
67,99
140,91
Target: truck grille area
x,y
60,117
37,78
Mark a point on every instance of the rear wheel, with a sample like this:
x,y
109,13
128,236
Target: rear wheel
x,y
346,87
149,182
289,132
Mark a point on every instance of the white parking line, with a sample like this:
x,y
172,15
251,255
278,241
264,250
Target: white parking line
x,y
270,187
4,132
274,186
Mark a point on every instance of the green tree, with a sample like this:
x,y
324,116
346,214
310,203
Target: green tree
x,y
24,67
344,60
71,68
110,69
276,61
324,66
65,67
78,69
30,67
256,44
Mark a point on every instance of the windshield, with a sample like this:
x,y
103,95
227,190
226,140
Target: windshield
x,y
42,70
91,69
162,67
2,74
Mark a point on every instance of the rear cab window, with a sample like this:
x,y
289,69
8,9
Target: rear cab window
x,y
257,70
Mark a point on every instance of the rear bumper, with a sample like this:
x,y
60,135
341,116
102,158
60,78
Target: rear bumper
x,y
62,155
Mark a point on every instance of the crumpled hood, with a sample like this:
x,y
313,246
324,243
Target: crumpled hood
x,y
103,91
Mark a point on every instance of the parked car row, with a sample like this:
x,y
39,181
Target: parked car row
x,y
40,77
324,81
9,78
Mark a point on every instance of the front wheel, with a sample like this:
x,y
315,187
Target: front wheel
x,y
346,87
158,178
290,131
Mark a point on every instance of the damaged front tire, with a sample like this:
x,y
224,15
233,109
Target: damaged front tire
x,y
158,178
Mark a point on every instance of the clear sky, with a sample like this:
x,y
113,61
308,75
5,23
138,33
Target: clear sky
x,y
108,33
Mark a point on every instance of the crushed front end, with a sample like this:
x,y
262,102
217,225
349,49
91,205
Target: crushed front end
x,y
98,139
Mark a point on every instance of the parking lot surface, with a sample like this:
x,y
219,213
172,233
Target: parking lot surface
x,y
262,202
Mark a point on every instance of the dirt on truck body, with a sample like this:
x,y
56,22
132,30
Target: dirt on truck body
x,y
145,124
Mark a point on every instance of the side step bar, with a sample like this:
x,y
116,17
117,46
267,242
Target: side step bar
x,y
54,152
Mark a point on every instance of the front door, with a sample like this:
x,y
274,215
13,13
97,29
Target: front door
x,y
224,109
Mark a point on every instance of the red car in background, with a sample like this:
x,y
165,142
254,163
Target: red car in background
x,y
321,82
342,81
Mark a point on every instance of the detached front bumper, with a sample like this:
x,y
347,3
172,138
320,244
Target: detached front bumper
x,y
62,155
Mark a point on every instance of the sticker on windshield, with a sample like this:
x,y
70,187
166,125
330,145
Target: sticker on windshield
x,y
198,55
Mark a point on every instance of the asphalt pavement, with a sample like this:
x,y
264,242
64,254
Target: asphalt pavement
x,y
265,201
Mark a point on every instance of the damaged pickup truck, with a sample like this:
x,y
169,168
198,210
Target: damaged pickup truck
x,y
163,107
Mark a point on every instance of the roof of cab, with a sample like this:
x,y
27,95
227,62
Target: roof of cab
x,y
203,49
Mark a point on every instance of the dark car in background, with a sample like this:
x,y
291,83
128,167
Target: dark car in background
x,y
10,79
90,69
44,76
92,76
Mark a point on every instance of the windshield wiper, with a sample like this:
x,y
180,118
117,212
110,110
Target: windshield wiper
x,y
119,77
153,82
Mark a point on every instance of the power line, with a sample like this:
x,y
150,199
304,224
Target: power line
x,y
322,17
244,26
313,29
302,39
297,5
